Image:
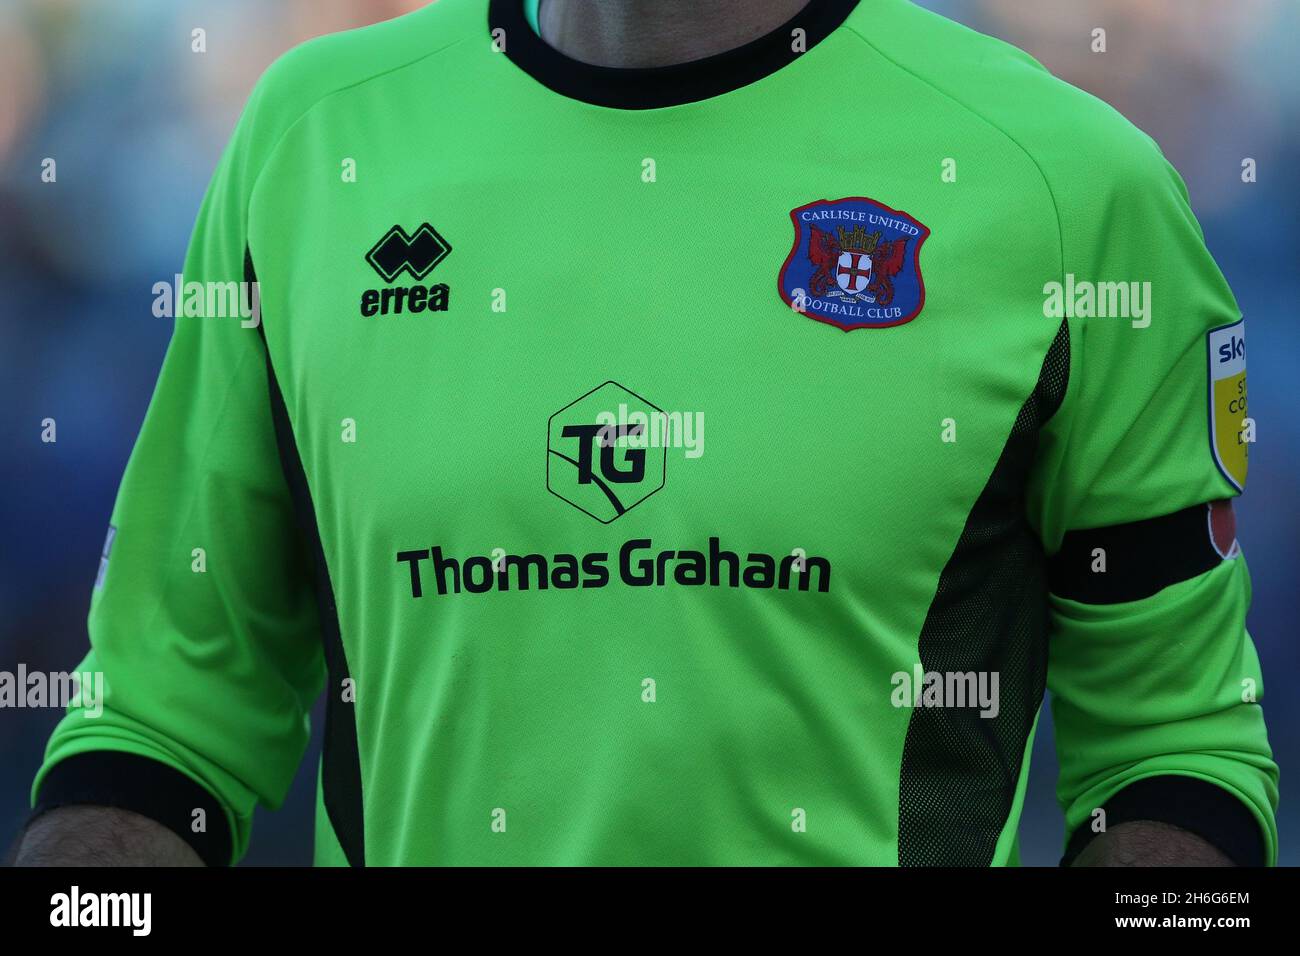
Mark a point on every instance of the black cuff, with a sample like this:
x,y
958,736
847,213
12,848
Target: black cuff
x,y
124,781
1207,810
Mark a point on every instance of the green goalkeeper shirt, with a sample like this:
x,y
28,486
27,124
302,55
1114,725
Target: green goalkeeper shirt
x,y
711,464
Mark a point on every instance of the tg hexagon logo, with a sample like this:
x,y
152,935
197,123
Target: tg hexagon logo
x,y
600,453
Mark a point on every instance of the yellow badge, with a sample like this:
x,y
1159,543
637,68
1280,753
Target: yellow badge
x,y
1230,432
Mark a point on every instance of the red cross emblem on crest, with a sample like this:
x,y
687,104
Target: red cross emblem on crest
x,y
854,271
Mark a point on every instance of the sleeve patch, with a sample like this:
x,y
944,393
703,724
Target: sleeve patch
x,y
103,558
1229,427
1223,529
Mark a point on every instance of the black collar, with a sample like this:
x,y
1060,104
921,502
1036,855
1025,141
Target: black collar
x,y
654,87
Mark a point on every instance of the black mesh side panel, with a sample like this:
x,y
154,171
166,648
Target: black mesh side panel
x,y
340,757
989,614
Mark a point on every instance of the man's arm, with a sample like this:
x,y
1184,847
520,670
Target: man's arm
x,y
101,836
203,621
1148,843
1155,681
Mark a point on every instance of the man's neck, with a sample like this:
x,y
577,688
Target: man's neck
x,y
646,33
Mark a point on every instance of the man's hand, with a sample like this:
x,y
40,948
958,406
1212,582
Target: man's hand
x,y
1148,843
101,836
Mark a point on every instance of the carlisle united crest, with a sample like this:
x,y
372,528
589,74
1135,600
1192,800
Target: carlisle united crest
x,y
855,264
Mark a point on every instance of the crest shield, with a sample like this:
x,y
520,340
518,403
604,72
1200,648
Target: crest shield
x,y
855,264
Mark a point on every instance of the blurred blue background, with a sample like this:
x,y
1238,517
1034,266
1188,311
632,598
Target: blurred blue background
x,y
136,121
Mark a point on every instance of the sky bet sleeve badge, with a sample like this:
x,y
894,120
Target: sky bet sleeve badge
x,y
855,264
1227,347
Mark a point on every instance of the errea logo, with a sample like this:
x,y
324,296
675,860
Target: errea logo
x,y
415,254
